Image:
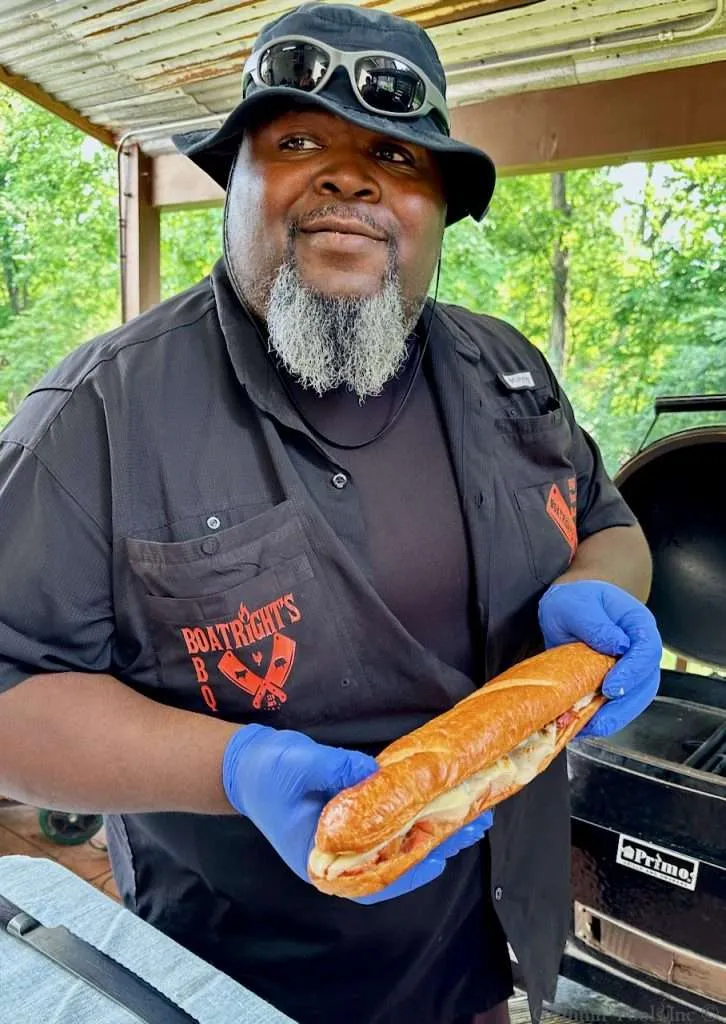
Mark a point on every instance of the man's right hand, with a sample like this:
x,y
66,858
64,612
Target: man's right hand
x,y
281,780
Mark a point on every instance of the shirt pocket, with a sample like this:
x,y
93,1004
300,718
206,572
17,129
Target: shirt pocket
x,y
241,622
548,513
537,464
544,437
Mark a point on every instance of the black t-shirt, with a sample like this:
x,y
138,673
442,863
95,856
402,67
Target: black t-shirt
x,y
417,542
419,555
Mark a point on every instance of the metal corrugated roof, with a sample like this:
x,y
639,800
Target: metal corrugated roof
x,y
126,65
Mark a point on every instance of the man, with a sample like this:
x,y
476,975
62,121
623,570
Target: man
x,y
278,521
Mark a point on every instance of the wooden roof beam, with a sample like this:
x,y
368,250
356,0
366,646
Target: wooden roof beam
x,y
34,92
663,115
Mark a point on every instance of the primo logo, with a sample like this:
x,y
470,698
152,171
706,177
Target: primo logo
x,y
657,862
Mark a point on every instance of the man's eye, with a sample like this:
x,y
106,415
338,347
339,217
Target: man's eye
x,y
298,142
394,154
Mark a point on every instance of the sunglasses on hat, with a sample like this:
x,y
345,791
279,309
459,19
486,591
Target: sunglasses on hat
x,y
383,83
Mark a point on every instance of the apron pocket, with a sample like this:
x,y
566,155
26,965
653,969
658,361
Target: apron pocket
x,y
259,651
215,561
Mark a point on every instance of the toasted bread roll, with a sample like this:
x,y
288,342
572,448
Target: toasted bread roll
x,y
445,774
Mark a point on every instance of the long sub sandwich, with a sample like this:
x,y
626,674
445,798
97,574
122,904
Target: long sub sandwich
x,y
445,774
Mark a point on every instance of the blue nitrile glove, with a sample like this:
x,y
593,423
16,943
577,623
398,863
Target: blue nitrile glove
x,y
433,865
614,622
281,780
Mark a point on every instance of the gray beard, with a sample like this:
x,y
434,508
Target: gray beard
x,y
328,341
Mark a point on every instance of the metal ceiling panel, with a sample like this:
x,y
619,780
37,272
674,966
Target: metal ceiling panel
x,y
128,64
560,23
15,9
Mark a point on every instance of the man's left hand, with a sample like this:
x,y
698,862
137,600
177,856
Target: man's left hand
x,y
611,621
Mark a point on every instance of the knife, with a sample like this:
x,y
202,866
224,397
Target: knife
x,y
91,965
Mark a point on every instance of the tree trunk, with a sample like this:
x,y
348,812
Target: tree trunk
x,y
8,269
560,276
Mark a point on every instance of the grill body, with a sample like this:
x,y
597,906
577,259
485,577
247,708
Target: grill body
x,y
649,803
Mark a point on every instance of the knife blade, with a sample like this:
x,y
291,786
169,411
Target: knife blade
x,y
117,982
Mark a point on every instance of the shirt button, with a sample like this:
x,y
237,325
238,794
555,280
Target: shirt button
x,y
339,480
210,545
214,523
479,500
498,893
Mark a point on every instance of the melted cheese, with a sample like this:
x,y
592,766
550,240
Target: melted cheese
x,y
530,754
515,769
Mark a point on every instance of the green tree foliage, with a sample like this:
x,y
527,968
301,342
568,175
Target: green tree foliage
x,y
667,304
58,277
191,243
645,288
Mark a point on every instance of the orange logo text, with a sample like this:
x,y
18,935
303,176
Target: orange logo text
x,y
563,515
246,630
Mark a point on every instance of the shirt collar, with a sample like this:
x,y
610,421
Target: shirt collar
x,y
245,338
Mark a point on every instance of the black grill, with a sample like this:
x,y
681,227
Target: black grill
x,y
710,755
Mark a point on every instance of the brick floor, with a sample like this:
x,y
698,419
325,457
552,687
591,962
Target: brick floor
x,y
20,833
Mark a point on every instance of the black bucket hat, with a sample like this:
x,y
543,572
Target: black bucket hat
x,y
468,173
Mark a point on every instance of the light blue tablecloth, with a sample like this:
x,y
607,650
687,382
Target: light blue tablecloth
x,y
33,990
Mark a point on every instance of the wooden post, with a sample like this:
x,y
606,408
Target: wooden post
x,y
139,228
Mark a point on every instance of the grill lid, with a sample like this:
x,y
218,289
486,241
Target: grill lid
x,y
677,489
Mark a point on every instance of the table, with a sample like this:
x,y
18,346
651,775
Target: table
x,y
33,990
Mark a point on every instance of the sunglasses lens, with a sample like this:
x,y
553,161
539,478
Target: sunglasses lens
x,y
389,84
297,65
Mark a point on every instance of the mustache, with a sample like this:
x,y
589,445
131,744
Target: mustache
x,y
343,212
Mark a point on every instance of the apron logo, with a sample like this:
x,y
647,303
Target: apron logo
x,y
230,638
564,515
267,693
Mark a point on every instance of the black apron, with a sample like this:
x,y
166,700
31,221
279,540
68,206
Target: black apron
x,y
297,639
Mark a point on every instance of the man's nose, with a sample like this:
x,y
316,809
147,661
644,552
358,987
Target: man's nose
x,y
348,178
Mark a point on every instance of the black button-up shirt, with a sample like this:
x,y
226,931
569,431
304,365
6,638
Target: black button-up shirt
x,y
166,517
